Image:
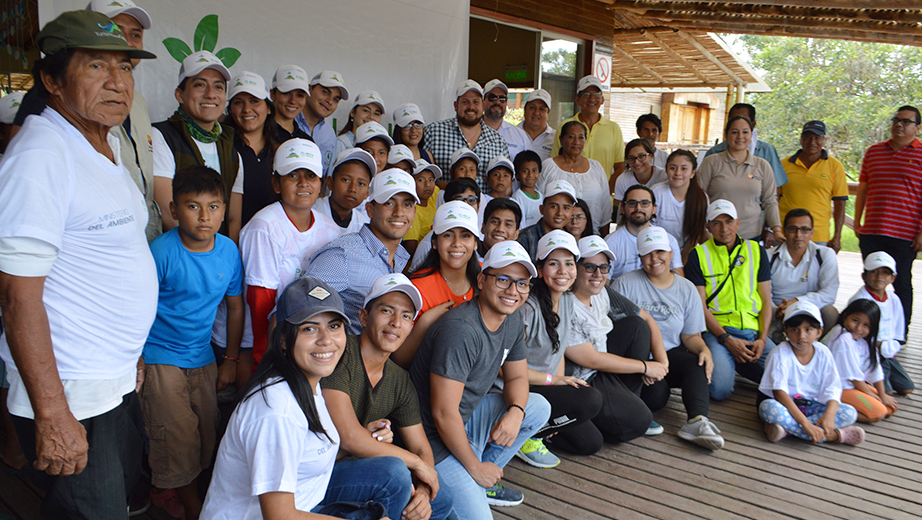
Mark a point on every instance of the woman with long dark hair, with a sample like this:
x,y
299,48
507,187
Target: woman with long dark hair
x,y
681,203
408,131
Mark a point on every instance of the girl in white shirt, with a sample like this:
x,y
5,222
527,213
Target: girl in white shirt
x,y
681,203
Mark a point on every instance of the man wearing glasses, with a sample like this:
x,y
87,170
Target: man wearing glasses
x,y
890,200
802,270
474,434
604,142
495,97
637,211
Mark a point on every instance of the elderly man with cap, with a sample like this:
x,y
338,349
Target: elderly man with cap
x,y
473,433
495,97
734,280
327,89
604,143
352,263
466,129
78,285
193,136
534,124
815,178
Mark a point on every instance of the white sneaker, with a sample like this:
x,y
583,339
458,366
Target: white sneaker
x,y
704,433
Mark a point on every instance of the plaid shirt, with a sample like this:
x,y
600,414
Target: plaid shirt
x,y
443,137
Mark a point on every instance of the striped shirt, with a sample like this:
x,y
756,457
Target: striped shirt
x,y
443,137
893,206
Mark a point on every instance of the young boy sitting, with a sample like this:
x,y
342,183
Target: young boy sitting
x,y
367,391
425,175
197,269
527,170
502,219
879,273
373,138
348,185
464,163
499,179
555,214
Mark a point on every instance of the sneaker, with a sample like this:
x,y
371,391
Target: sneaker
x,y
535,453
501,496
704,433
655,428
774,432
851,435
168,500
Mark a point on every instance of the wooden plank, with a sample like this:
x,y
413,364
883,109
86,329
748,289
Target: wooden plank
x,y
707,54
897,28
780,30
761,9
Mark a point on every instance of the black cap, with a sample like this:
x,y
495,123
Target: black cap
x,y
306,298
816,127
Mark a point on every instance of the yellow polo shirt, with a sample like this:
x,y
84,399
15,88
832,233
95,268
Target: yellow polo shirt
x,y
604,143
425,216
813,189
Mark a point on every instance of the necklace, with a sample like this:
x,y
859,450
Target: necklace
x,y
462,294
573,168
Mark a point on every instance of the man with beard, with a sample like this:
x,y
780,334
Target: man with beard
x,y
638,209
467,128
495,96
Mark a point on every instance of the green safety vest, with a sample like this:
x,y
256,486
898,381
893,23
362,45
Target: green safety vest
x,y
738,302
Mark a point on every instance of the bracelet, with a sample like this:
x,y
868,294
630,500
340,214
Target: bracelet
x,y
644,367
550,380
513,405
235,360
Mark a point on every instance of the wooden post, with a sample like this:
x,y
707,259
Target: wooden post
x,y
741,93
729,102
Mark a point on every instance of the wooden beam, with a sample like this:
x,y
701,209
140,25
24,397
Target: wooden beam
x,y
834,4
874,15
707,54
671,85
806,22
668,50
639,65
834,34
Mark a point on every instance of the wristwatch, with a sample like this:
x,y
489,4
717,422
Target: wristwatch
x,y
722,339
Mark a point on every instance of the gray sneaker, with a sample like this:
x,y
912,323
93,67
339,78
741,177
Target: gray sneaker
x,y
501,496
535,453
703,433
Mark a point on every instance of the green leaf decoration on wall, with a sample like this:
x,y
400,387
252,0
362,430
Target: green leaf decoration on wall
x,y
228,56
177,48
204,39
206,34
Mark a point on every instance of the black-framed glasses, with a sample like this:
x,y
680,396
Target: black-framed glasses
x,y
492,98
795,229
503,282
904,122
470,199
639,157
634,203
591,268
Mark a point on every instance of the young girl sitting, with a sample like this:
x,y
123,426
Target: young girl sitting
x,y
800,389
857,357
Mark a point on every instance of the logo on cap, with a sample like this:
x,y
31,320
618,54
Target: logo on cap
x,y
320,293
110,28
292,155
451,215
115,4
508,252
239,83
389,181
649,239
391,281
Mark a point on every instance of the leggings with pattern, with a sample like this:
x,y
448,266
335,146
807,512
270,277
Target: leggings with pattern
x,y
771,411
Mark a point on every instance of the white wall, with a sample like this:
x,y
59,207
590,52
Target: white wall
x,y
408,50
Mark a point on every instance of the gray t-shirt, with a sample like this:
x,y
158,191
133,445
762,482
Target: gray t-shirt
x,y
460,347
677,310
591,324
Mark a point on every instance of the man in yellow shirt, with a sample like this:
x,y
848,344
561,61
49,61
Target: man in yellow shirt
x,y
815,178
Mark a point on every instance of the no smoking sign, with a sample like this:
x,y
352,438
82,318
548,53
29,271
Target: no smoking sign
x,y
601,68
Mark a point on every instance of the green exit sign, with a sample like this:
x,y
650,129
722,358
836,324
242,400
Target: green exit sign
x,y
517,74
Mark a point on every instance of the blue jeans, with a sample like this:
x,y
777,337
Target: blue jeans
x,y
470,499
383,479
773,412
726,367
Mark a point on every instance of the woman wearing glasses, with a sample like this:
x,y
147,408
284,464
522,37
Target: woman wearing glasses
x,y
745,180
614,339
640,169
408,131
585,175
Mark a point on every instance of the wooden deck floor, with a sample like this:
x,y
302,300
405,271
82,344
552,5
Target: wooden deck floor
x,y
665,477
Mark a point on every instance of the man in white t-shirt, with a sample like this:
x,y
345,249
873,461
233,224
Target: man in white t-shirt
x,y
534,125
637,211
495,97
78,284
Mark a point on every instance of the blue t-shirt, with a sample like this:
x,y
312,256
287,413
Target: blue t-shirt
x,y
192,286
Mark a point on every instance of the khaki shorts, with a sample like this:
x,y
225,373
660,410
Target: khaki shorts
x,y
181,419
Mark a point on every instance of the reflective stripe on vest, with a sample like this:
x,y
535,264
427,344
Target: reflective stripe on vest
x,y
738,302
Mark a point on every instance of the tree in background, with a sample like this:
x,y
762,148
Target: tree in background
x,y
559,61
853,87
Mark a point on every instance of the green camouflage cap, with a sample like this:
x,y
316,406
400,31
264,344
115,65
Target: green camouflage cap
x,y
85,30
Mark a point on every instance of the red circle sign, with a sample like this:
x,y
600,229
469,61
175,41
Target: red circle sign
x,y
602,70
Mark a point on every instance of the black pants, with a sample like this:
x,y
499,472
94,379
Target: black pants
x,y
572,409
624,416
902,252
684,373
102,490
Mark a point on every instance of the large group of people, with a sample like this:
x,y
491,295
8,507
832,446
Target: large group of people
x,y
393,317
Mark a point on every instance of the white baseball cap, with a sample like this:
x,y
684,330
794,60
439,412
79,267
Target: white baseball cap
x,y
423,165
467,86
406,114
653,238
559,187
391,182
452,214
803,307
879,259
539,95
290,77
371,130
113,8
298,153
593,245
505,253
330,79
461,153
493,83
251,83
9,106
369,97
500,160
196,62
395,282
557,239
357,154
400,152
586,82
721,207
